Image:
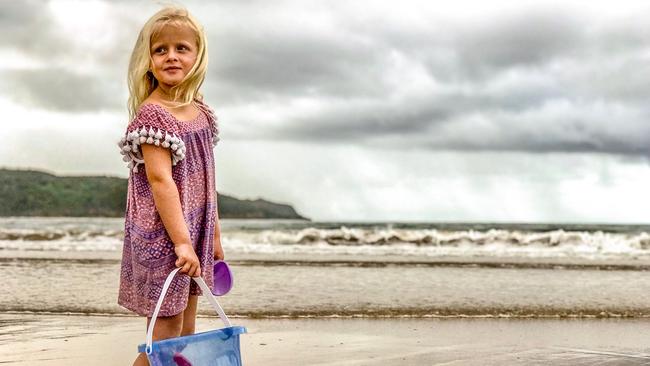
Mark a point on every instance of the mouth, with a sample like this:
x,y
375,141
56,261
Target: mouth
x,y
172,68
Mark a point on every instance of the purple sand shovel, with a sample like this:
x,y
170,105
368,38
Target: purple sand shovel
x,y
222,278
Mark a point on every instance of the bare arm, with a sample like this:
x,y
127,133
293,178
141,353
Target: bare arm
x,y
158,167
218,249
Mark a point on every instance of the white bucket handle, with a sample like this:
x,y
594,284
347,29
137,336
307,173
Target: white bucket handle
x,y
206,291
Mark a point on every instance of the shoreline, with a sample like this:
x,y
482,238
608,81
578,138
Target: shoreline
x,y
309,292
209,315
346,260
109,340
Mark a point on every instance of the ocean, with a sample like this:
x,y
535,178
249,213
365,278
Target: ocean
x,y
286,268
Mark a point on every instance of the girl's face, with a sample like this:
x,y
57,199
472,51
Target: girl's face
x,y
174,52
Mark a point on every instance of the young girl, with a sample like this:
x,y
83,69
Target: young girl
x,y
171,210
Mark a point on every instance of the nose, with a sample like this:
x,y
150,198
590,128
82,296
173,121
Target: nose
x,y
171,55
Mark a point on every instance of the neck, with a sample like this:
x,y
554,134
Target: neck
x,y
163,93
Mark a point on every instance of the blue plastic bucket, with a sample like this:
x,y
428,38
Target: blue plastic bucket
x,y
219,347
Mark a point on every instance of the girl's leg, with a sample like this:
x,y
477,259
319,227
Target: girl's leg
x,y
141,360
166,327
189,315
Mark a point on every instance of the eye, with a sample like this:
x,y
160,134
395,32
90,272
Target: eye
x,y
157,50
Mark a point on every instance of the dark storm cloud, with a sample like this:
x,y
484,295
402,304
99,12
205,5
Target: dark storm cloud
x,y
598,77
425,124
62,83
28,26
60,90
529,40
292,63
540,80
17,17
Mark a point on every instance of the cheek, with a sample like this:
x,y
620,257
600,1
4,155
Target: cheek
x,y
157,62
189,61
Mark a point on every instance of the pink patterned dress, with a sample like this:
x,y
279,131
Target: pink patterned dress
x,y
148,253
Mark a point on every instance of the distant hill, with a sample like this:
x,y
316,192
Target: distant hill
x,y
36,193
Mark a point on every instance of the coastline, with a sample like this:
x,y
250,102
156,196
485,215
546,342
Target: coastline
x,y
375,288
634,263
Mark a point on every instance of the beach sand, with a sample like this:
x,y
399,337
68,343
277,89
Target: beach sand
x,y
27,339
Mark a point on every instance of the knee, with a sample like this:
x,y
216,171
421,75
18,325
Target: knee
x,y
168,327
188,325
187,330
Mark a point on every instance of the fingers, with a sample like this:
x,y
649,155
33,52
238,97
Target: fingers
x,y
197,271
187,260
186,267
218,254
191,268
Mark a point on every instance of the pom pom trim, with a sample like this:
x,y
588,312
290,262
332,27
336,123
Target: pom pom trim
x,y
130,145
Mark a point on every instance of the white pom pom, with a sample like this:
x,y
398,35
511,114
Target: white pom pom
x,y
125,158
126,148
156,142
135,169
165,144
143,131
143,139
151,131
158,135
150,140
167,137
174,147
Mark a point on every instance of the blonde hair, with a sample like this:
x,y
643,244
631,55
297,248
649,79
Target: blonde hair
x,y
141,80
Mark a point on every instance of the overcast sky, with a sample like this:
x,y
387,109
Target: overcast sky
x,y
363,110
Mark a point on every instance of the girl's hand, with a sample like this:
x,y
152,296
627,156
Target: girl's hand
x,y
218,250
187,259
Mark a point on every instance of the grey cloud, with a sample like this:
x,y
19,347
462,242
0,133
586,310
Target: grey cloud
x,y
495,80
61,90
258,65
28,26
18,16
480,124
529,39
61,84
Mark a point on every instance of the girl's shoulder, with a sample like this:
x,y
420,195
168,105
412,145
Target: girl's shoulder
x,y
212,118
204,106
151,125
153,115
150,109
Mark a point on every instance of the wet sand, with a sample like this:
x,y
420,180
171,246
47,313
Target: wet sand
x,y
27,339
273,288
